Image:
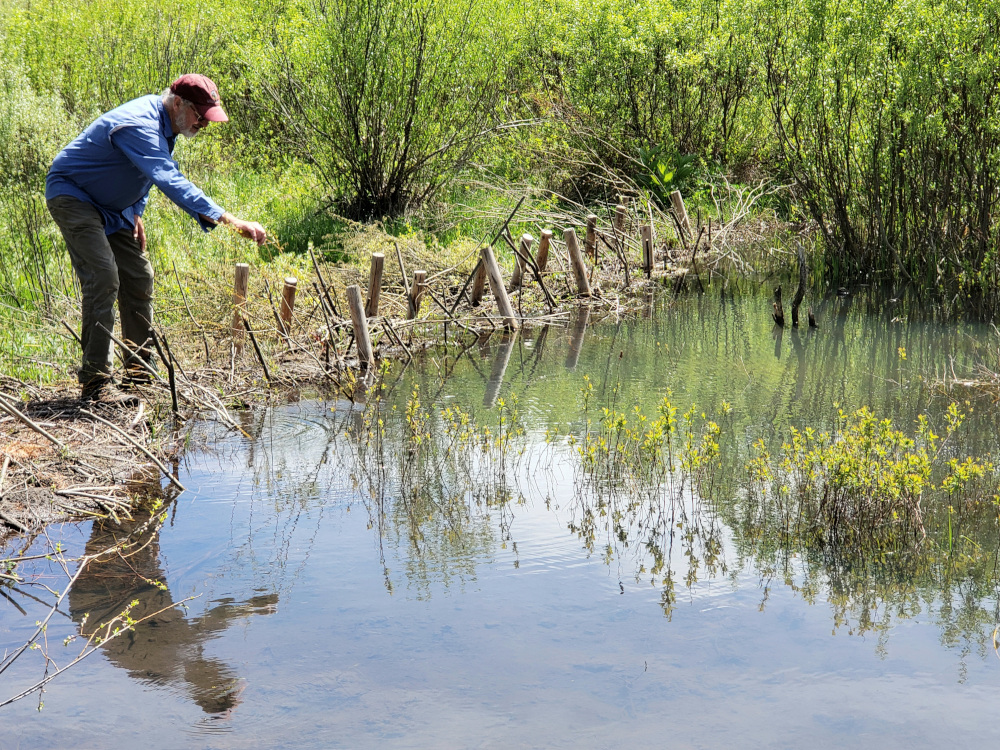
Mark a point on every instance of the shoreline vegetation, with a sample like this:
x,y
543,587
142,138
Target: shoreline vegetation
x,y
281,336
640,144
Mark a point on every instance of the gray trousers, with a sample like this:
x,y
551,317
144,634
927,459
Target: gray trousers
x,y
109,267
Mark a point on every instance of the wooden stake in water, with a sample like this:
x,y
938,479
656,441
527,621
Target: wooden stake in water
x,y
576,258
375,284
499,368
416,294
576,337
360,323
241,283
620,213
646,234
288,304
495,277
681,213
543,249
591,241
478,285
521,264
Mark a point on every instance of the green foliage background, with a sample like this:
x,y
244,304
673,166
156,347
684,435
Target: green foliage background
x,y
881,115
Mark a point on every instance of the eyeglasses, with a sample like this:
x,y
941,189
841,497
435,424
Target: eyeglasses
x,y
202,120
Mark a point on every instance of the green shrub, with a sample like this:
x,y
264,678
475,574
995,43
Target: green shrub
x,y
33,127
886,118
389,98
673,75
866,484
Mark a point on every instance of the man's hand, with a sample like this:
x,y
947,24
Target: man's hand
x,y
139,233
249,229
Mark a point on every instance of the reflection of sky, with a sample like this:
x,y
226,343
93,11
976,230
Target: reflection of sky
x,y
536,643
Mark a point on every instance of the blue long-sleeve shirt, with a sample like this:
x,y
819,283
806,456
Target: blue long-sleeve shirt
x,y
118,158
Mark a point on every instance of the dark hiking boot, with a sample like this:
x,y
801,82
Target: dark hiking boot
x,y
104,392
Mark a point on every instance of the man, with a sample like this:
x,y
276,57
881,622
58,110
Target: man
x,y
96,190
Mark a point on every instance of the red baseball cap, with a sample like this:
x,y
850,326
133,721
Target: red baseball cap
x,y
202,93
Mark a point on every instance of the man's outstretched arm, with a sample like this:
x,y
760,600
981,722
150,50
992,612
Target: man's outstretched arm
x,y
249,229
144,149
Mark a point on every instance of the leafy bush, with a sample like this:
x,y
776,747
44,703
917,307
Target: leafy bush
x,y
33,127
886,117
864,483
388,98
672,73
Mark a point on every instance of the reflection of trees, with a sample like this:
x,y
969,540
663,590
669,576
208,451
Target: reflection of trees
x,y
668,521
446,501
670,529
651,530
434,483
167,647
868,595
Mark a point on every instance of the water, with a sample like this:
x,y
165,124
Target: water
x,y
307,605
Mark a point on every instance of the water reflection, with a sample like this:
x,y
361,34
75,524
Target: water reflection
x,y
443,495
578,332
539,597
501,358
167,646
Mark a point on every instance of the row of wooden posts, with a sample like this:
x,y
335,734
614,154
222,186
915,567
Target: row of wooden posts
x,y
487,271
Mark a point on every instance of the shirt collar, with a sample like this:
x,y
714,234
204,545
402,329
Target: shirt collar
x,y
165,125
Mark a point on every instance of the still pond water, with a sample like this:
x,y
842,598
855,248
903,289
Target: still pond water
x,y
321,594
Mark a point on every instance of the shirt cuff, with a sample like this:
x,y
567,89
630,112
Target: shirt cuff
x,y
214,214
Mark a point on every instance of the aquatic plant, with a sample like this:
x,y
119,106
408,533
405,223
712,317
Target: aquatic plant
x,y
875,522
632,447
435,479
863,483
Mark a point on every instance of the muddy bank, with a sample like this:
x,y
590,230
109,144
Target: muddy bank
x,y
62,458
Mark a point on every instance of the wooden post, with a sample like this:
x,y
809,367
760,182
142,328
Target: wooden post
x,y
576,258
576,337
360,323
591,241
374,284
416,294
681,212
520,266
500,362
499,291
647,307
619,224
288,304
620,212
241,282
543,249
478,286
646,233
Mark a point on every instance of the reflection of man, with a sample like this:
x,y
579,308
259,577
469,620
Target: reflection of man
x,y
167,648
96,191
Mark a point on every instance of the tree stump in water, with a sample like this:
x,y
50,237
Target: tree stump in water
x,y
801,291
777,312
